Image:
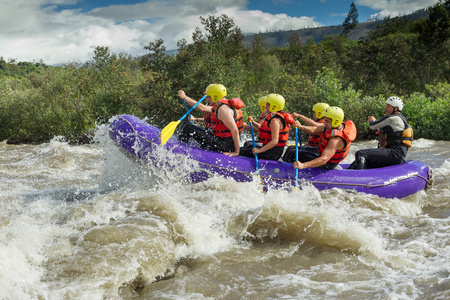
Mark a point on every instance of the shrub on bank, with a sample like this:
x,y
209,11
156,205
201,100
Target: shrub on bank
x,y
357,76
69,100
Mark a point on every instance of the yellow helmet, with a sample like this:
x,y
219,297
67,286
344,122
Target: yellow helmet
x,y
262,103
276,102
216,92
210,85
318,108
336,114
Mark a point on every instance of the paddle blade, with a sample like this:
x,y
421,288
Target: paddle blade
x,y
168,131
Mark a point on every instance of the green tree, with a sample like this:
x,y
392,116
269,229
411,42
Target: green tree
x,y
224,34
157,88
351,21
292,53
212,57
434,33
390,26
435,30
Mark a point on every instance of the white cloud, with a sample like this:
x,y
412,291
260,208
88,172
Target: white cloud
x,y
31,32
257,21
34,30
394,8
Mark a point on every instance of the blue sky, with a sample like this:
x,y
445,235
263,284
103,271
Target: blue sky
x,y
327,12
60,31
331,12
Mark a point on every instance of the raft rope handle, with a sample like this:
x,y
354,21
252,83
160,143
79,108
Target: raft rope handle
x,y
201,163
429,181
134,130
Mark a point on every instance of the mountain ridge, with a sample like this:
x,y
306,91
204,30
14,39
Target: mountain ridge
x,y
281,38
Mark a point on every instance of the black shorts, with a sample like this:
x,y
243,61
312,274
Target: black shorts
x,y
205,138
271,154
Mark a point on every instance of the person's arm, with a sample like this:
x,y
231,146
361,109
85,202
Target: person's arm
x,y
395,122
256,125
275,126
194,119
308,121
333,145
226,115
375,124
201,107
315,130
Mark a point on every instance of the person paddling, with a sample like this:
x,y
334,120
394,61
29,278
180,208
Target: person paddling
x,y
227,122
336,137
313,140
206,119
273,130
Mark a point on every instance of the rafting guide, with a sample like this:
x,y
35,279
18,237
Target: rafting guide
x,y
395,138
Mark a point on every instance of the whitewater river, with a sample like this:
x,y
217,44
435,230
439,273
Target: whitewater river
x,y
88,222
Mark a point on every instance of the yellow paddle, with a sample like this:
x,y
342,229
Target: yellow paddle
x,y
168,131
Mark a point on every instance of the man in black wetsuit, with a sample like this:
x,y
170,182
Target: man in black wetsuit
x,y
396,137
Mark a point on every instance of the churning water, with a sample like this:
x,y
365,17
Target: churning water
x,y
89,222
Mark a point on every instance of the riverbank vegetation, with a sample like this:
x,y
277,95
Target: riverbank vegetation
x,y
410,59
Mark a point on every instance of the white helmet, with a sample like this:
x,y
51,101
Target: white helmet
x,y
395,102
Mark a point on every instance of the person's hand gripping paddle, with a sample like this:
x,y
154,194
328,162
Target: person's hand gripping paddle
x,y
168,131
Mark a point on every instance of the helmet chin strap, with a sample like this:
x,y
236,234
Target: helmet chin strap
x,y
394,110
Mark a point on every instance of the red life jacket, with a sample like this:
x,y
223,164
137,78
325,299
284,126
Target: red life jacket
x,y
265,133
348,135
314,140
262,117
207,119
218,127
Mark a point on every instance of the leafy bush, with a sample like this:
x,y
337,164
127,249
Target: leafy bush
x,y
428,113
38,102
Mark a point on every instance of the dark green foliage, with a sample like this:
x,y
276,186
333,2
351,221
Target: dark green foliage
x,y
435,30
38,102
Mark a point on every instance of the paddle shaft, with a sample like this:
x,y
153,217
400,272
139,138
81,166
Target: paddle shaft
x,y
296,156
254,146
185,106
168,131
192,108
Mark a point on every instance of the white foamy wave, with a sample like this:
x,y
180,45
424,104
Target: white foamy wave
x,y
423,143
444,169
111,226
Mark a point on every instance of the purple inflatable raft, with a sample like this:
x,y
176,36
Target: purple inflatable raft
x,y
142,140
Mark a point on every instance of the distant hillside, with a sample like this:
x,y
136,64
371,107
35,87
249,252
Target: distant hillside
x,y
281,38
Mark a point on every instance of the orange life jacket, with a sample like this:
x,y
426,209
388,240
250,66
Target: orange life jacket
x,y
265,133
218,127
348,135
314,140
